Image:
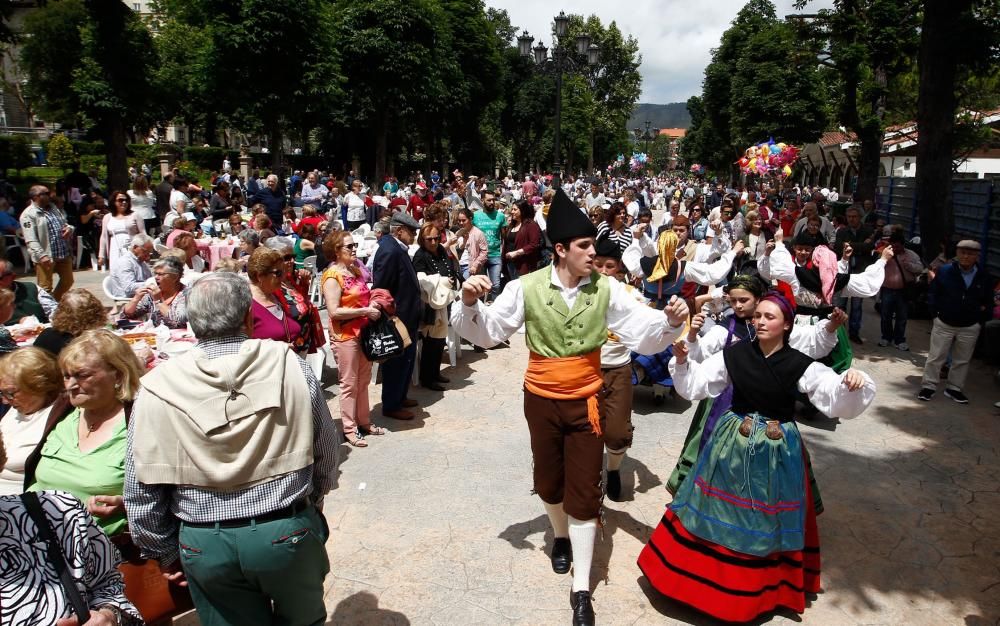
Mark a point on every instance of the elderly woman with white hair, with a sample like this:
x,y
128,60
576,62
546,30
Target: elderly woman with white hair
x,y
166,303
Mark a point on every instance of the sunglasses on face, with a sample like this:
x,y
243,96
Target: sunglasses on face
x,y
350,246
121,199
288,257
432,239
277,273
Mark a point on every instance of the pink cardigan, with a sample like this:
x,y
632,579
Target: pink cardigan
x,y
475,243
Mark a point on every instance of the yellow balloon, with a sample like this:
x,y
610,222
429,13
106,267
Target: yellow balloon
x,y
787,170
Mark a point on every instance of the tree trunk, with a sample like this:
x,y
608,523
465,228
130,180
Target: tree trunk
x,y
590,153
117,157
211,125
277,141
936,103
869,151
381,136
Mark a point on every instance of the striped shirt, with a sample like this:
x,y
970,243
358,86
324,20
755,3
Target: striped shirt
x,y
55,225
155,511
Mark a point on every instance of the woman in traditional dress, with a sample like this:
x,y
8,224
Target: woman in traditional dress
x,y
743,293
740,539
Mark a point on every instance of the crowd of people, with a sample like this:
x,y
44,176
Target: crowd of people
x,y
748,300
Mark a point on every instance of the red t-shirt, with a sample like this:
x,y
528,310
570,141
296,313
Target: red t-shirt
x,y
417,205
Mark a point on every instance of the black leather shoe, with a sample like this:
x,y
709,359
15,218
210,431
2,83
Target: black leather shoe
x,y
432,386
442,379
583,608
614,485
562,555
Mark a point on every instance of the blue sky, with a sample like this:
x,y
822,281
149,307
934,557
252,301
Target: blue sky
x,y
675,36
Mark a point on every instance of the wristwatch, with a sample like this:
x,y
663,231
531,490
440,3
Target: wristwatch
x,y
116,612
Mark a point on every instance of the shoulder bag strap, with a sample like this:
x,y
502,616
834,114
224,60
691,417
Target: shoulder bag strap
x,y
34,508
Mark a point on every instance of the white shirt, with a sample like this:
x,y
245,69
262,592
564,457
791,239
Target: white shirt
x,y
823,386
697,270
591,201
21,434
632,208
356,209
813,340
143,205
780,266
638,327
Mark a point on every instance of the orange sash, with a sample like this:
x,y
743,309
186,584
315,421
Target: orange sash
x,y
568,378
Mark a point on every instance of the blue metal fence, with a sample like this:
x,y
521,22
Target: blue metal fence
x,y
976,203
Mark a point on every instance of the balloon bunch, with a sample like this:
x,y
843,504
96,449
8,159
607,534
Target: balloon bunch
x,y
697,169
769,157
637,161
617,163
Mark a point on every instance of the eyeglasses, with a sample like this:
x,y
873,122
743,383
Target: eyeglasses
x,y
121,199
277,273
9,395
432,239
288,257
350,246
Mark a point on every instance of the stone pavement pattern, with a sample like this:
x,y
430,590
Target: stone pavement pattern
x,y
434,523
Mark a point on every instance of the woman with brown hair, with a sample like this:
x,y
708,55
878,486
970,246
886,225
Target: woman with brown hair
x,y
143,200
523,244
614,228
305,245
117,229
432,261
79,310
84,452
348,304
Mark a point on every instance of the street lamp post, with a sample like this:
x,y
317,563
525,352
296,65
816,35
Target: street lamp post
x,y
559,62
646,136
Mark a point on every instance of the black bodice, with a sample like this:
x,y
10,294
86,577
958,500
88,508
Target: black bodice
x,y
764,385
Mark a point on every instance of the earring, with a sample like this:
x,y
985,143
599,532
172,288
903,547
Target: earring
x,y
118,386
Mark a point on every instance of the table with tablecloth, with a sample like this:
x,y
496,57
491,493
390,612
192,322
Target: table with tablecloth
x,y
213,250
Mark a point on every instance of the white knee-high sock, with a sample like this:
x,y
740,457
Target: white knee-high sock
x,y
582,534
615,458
558,519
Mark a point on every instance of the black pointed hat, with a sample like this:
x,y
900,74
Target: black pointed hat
x,y
607,248
566,221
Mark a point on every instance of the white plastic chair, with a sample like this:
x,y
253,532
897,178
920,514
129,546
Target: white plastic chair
x,y
361,231
13,241
106,286
160,248
315,295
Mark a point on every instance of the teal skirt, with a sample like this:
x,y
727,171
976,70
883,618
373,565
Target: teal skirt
x,y
747,493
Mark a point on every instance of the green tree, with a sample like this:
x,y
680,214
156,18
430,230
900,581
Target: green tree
x,y
60,152
396,57
89,63
867,44
703,144
20,156
661,153
959,43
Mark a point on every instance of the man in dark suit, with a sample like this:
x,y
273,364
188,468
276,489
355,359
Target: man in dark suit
x,y
163,191
394,272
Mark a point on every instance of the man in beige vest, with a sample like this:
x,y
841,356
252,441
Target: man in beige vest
x,y
231,449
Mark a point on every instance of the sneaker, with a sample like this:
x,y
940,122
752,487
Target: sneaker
x,y
905,347
857,339
883,343
925,394
956,395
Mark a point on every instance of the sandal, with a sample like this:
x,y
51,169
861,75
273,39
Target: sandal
x,y
372,429
356,440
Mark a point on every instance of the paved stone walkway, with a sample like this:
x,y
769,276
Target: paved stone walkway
x,y
434,523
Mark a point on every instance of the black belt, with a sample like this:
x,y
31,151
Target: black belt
x,y
282,513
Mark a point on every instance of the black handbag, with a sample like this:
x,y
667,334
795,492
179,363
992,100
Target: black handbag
x,y
381,341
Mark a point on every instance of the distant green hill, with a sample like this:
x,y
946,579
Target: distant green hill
x,y
674,115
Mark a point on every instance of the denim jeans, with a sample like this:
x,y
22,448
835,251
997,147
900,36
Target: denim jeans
x,y
493,265
894,305
854,314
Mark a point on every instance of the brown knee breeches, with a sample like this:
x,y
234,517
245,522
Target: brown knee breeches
x,y
568,456
616,407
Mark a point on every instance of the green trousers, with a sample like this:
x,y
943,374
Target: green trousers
x,y
266,574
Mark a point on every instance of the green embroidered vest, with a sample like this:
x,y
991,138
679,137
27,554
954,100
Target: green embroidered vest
x,y
554,331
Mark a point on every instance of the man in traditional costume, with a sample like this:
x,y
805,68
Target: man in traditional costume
x,y
567,311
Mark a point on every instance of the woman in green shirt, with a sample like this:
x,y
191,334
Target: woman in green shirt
x,y
84,452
